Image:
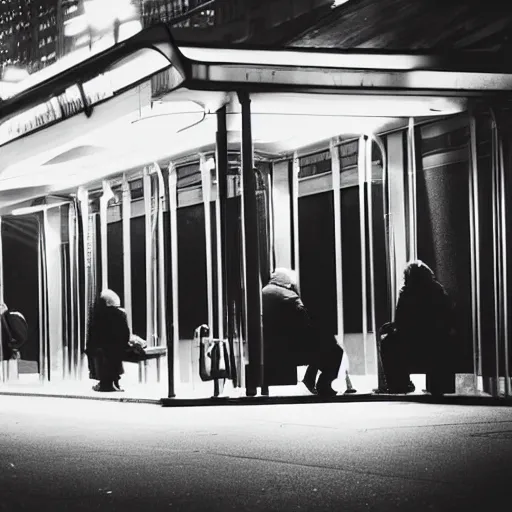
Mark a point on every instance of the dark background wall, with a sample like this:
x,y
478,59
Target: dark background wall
x,y
21,290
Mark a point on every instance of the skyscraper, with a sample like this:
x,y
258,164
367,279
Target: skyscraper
x,y
29,33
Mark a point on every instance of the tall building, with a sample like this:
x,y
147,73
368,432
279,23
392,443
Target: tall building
x,y
29,32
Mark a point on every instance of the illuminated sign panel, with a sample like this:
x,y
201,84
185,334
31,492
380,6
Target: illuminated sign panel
x,y
51,97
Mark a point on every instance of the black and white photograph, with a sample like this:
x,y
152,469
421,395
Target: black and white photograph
x,y
254,255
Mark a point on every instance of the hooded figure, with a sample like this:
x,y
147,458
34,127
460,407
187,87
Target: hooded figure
x,y
109,335
424,320
291,339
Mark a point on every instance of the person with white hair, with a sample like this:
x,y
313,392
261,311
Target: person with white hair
x,y
108,339
291,339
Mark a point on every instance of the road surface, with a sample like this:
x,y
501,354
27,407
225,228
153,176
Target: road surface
x,y
79,455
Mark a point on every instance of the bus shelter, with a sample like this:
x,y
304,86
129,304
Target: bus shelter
x,y
111,151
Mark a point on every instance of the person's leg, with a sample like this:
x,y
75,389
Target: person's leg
x,y
106,374
309,379
330,367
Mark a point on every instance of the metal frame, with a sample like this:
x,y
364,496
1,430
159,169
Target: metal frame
x,y
126,207
498,198
173,369
253,311
2,371
162,310
338,240
207,197
295,216
411,189
369,178
474,226
362,175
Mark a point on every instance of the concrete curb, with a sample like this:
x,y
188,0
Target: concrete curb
x,y
355,398
284,400
102,398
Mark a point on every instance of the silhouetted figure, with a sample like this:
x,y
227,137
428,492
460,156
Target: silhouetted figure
x,y
109,335
424,321
291,338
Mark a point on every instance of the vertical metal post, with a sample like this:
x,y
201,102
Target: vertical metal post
x,y
83,198
173,357
271,213
127,247
411,146
221,177
161,261
43,228
369,177
148,208
336,184
70,364
225,312
146,181
105,198
503,261
474,234
295,215
361,168
41,285
206,183
2,373
78,311
496,248
386,195
253,279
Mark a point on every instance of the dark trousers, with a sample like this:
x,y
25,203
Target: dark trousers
x,y
326,360
108,367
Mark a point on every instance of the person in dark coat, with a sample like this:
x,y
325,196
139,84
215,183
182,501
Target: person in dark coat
x,y
109,335
290,336
423,321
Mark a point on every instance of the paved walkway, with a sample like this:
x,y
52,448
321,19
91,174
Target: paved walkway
x,y
71,455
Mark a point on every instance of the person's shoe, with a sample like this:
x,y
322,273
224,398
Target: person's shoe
x,y
103,389
310,386
326,391
350,391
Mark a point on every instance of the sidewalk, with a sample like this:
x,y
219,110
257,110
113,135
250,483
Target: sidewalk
x,y
200,396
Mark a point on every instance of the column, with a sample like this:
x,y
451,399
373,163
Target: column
x,y
253,280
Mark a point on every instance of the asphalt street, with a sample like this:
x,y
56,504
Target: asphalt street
x,y
79,455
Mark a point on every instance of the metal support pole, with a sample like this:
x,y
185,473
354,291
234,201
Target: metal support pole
x,y
386,195
474,225
502,250
2,373
336,184
361,168
206,183
83,199
70,363
504,272
43,229
173,353
224,325
504,266
105,198
369,177
221,177
147,191
411,146
41,285
127,248
162,312
253,277
295,216
496,248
